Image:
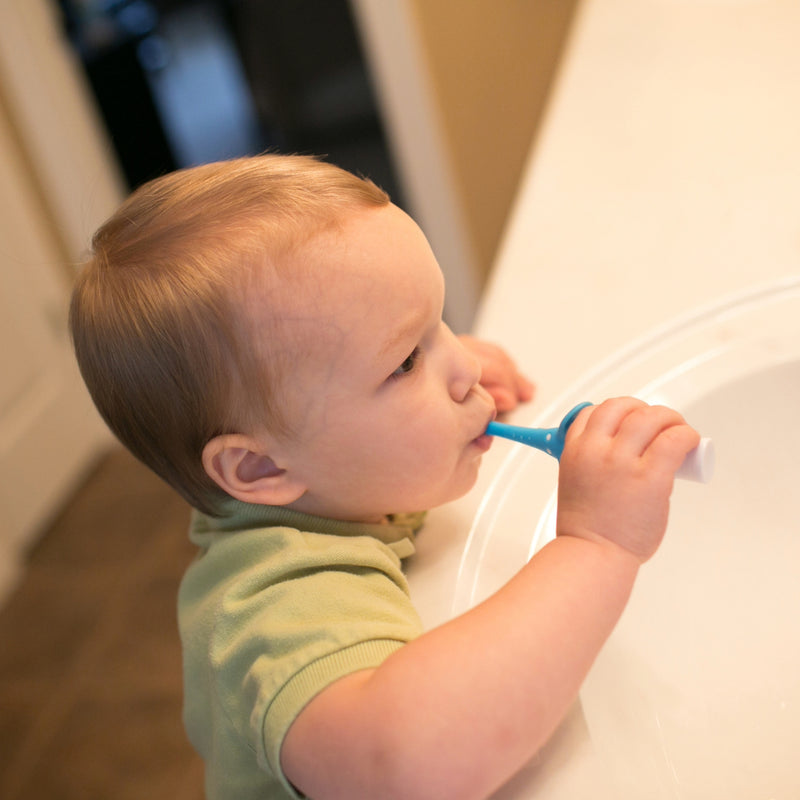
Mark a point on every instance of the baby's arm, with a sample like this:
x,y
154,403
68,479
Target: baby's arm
x,y
456,712
499,374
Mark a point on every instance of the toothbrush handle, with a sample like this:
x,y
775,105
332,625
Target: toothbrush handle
x,y
698,465
542,439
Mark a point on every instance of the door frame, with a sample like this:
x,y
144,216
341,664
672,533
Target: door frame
x,y
407,101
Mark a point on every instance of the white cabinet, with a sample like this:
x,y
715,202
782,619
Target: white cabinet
x,y
56,184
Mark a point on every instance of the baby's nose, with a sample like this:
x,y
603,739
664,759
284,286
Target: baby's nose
x,y
466,373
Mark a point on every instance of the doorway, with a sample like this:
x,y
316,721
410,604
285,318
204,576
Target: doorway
x,y
182,82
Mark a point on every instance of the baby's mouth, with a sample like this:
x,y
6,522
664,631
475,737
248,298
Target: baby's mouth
x,y
483,440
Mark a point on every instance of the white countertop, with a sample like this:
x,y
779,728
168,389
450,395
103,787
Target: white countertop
x,y
666,176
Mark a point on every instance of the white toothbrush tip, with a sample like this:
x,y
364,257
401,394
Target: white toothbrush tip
x,y
699,463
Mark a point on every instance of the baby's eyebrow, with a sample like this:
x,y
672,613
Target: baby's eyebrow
x,y
409,329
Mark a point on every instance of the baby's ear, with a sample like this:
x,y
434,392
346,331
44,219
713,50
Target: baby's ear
x,y
239,465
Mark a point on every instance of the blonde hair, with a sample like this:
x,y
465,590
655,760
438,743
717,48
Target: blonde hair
x,y
156,313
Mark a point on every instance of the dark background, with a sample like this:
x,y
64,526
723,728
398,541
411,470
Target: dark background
x,y
182,82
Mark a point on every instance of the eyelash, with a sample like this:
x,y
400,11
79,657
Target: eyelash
x,y
408,366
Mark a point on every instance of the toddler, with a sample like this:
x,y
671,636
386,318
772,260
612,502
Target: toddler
x,y
266,334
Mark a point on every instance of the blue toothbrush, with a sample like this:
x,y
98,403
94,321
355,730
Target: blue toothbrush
x,y
548,440
698,465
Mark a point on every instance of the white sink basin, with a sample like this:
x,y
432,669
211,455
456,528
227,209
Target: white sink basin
x,y
697,692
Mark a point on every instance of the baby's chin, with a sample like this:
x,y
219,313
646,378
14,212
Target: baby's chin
x,y
464,487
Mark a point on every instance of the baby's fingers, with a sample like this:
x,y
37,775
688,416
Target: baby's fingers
x,y
629,432
499,374
668,450
601,424
644,424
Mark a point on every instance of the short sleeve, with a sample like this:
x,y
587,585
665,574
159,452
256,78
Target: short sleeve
x,y
295,612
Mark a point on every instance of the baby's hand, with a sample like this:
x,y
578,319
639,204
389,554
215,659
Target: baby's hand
x,y
617,472
499,374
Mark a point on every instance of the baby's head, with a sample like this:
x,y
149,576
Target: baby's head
x,y
234,325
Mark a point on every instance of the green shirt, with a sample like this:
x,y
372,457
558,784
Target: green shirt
x,y
276,607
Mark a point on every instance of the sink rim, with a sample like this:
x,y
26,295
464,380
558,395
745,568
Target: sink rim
x,y
700,349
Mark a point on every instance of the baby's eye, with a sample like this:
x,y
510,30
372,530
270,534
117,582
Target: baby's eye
x,y
409,365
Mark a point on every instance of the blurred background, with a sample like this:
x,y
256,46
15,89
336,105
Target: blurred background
x,y
438,102
180,83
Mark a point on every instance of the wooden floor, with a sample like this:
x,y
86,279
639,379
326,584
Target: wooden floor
x,y
90,670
